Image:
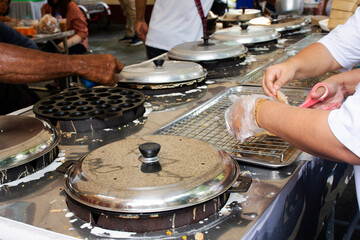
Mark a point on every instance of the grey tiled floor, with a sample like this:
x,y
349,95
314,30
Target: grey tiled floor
x,y
106,41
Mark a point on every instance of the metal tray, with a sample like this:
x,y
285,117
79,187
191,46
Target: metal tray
x,y
207,123
255,78
297,47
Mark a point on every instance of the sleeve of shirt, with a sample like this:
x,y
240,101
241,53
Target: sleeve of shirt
x,y
77,21
11,36
344,122
344,42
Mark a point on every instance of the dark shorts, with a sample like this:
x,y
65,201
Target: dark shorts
x,y
152,52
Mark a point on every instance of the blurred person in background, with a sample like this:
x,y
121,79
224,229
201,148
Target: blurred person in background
x,y
75,20
172,22
129,11
4,12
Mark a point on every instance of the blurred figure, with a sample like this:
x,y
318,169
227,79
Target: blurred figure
x,y
172,22
4,12
129,11
75,20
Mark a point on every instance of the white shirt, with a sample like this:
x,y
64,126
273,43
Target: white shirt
x,y
174,22
345,122
344,42
344,45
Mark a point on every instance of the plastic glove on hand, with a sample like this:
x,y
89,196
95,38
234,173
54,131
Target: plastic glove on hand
x,y
240,116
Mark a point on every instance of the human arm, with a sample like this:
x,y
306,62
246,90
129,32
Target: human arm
x,y
340,87
312,61
141,26
307,129
8,19
75,20
17,66
72,41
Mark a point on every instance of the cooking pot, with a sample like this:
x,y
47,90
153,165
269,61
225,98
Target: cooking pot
x,y
27,144
284,7
151,174
150,183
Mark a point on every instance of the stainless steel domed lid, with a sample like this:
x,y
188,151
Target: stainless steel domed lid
x,y
236,15
207,50
162,72
280,25
151,174
23,139
250,35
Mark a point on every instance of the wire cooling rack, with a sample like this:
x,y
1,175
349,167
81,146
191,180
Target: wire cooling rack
x,y
207,123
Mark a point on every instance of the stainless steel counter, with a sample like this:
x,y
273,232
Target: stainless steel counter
x,y
284,203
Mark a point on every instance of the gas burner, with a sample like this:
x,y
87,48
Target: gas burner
x,y
147,222
84,110
160,102
223,68
263,47
26,145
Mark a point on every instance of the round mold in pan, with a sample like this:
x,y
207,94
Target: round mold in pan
x,y
84,109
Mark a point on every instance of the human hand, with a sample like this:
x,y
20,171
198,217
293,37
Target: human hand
x,y
277,76
335,97
240,116
61,47
142,30
100,68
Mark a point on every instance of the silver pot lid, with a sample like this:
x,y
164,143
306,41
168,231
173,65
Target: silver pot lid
x,y
23,139
207,50
162,72
280,25
171,173
253,34
236,15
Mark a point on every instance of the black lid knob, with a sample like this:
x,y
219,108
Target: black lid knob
x,y
244,25
150,167
243,10
158,62
150,149
206,42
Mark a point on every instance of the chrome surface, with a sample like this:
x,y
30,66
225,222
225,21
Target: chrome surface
x,y
285,203
23,139
168,72
198,51
253,34
192,172
301,44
